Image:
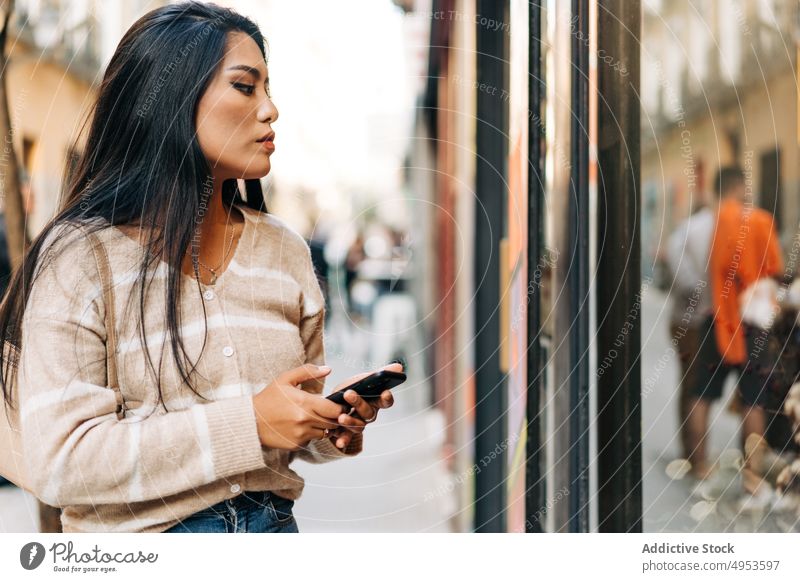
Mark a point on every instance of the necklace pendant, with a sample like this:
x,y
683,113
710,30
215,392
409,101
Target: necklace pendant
x,y
213,278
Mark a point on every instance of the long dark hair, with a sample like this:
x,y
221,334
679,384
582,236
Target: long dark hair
x,y
142,163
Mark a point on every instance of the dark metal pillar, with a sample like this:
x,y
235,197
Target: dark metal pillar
x,y
490,183
578,277
534,485
619,268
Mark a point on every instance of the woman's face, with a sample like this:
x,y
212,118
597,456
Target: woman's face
x,y
235,114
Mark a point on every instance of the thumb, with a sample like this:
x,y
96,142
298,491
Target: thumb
x,y
304,373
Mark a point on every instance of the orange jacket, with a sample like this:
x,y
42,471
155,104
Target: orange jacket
x,y
745,249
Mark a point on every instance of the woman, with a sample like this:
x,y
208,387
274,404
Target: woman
x,y
221,292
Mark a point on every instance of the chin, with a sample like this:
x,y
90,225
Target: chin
x,y
255,171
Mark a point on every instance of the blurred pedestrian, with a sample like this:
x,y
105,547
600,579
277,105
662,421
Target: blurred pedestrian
x,y
317,248
355,256
744,250
687,257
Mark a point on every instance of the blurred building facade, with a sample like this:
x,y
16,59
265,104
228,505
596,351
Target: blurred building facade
x,y
57,53
508,216
465,300
719,87
440,179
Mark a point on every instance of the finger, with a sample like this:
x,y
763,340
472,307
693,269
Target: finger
x,y
386,400
363,408
335,431
304,373
352,423
321,412
393,367
323,408
343,440
323,423
319,432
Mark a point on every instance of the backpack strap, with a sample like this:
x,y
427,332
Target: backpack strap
x,y
107,282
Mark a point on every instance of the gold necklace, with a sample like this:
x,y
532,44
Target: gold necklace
x,y
213,271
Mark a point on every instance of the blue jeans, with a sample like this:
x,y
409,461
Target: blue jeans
x,y
250,512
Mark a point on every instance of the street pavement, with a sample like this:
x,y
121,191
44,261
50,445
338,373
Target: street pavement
x,y
19,511
390,485
682,504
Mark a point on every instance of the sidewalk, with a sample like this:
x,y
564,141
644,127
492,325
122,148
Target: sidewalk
x,y
683,504
19,511
388,487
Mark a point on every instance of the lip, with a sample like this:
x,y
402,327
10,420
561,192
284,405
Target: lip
x,y
267,137
267,141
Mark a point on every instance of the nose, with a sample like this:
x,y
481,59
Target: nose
x,y
267,112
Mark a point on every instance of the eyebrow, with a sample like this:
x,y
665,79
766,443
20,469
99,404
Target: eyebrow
x,y
248,69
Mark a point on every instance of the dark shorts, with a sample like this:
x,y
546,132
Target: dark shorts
x,y
753,378
687,342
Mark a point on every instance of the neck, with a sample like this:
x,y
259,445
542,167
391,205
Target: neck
x,y
217,227
217,215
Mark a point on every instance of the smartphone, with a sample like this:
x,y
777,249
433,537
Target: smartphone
x,y
371,386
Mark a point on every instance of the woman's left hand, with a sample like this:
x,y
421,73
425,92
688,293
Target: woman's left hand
x,y
363,411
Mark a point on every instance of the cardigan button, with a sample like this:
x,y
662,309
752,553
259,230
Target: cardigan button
x,y
227,351
236,488
208,295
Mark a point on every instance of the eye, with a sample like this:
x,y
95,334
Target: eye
x,y
244,88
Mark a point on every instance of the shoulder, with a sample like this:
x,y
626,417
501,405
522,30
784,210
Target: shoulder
x,y
701,223
75,244
72,252
761,218
278,231
65,243
66,276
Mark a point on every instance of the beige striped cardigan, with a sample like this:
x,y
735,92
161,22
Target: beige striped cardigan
x,y
144,473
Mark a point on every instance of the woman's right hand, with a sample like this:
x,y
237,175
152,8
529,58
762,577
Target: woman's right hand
x,y
289,417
